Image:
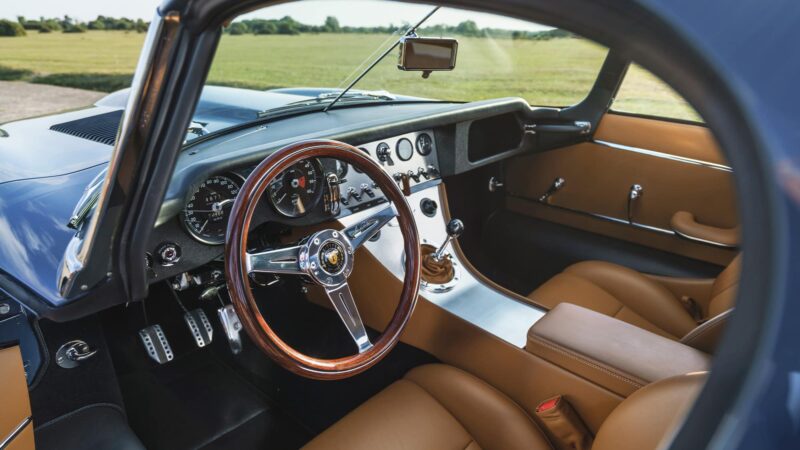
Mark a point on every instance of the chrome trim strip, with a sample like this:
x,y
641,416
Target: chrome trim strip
x,y
80,246
15,432
600,216
704,241
658,154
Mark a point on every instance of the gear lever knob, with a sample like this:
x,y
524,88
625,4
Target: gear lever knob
x,y
454,229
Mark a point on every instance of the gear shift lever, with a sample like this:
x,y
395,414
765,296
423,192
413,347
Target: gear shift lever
x,y
454,229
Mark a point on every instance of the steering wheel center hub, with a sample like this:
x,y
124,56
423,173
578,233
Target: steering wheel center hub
x,y
327,257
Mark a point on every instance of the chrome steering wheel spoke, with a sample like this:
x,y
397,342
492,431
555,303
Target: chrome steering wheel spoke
x,y
283,260
345,306
362,231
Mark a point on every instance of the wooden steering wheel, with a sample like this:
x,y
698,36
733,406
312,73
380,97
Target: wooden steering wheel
x,y
325,258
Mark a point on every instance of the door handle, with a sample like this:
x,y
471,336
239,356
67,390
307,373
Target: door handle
x,y
636,193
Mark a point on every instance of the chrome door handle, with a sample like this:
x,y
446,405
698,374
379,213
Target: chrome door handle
x,y
558,183
72,353
636,192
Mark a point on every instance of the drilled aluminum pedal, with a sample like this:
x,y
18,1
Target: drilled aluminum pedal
x,y
200,327
232,326
156,344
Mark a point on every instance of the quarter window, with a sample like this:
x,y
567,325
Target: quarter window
x,y
643,93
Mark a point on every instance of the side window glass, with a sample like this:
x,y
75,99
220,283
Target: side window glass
x,y
643,93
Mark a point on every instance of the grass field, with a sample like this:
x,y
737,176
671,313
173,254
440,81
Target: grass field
x,y
557,72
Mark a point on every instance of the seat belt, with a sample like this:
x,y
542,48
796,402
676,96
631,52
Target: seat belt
x,y
563,424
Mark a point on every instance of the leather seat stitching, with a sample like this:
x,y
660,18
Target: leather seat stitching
x,y
502,395
582,359
472,438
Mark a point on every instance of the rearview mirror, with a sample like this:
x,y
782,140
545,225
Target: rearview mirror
x,y
427,54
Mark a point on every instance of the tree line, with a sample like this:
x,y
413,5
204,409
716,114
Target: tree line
x,y
289,26
69,24
285,25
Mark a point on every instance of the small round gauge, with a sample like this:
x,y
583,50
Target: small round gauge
x,y
206,213
365,151
424,144
297,189
404,149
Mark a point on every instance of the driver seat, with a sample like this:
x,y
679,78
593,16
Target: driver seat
x,y
440,407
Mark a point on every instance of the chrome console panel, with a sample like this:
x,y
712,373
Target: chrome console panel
x,y
468,297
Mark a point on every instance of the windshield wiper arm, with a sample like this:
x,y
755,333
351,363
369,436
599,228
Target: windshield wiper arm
x,y
326,97
409,32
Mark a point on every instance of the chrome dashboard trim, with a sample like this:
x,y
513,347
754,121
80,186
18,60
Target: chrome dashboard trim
x,y
663,155
469,299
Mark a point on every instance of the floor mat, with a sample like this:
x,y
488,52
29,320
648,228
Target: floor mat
x,y
197,402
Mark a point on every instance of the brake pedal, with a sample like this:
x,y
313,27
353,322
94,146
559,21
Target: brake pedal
x,y
156,344
200,327
232,326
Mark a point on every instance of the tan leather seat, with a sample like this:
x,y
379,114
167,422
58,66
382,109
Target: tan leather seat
x,y
440,407
642,300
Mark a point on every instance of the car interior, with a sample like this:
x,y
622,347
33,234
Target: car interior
x,y
401,274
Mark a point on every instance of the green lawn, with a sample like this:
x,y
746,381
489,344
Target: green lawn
x,y
558,72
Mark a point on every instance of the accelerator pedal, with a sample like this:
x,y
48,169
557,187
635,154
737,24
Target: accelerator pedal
x,y
200,327
156,344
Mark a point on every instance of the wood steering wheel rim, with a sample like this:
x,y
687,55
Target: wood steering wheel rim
x,y
236,262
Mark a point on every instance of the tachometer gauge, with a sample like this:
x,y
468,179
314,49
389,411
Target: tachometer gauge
x,y
424,144
297,189
206,213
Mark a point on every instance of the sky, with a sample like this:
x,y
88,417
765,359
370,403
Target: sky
x,y
312,12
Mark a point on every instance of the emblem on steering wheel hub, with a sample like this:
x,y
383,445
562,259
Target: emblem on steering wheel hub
x,y
332,257
327,257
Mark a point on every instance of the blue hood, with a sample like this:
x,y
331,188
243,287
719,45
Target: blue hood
x,y
30,149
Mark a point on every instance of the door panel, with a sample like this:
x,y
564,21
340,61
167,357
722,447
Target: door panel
x,y
682,170
16,428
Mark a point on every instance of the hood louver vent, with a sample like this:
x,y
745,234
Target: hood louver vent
x,y
100,128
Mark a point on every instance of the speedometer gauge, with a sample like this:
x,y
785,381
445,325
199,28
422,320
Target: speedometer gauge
x,y
206,213
297,189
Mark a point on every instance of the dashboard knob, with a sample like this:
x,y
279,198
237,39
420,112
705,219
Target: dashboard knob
x,y
168,253
383,152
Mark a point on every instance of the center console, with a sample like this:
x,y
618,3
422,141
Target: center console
x,y
608,352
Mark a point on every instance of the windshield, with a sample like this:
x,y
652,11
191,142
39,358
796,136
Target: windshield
x,y
314,48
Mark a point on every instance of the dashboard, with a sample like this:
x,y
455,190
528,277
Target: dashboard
x,y
310,192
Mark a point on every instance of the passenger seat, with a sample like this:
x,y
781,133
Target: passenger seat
x,y
650,302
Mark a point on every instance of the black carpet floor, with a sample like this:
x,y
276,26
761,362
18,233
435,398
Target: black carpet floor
x,y
211,399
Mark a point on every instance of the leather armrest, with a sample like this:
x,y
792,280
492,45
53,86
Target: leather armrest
x,y
608,352
685,225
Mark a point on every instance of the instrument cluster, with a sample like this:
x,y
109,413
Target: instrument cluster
x,y
315,188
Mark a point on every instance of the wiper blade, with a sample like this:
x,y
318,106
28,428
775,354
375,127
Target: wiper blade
x,y
87,201
326,98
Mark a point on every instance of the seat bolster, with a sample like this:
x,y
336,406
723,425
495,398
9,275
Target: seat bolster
x,y
435,407
401,417
647,419
650,300
493,419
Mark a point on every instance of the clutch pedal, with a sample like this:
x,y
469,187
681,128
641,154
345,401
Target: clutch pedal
x,y
156,344
200,327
